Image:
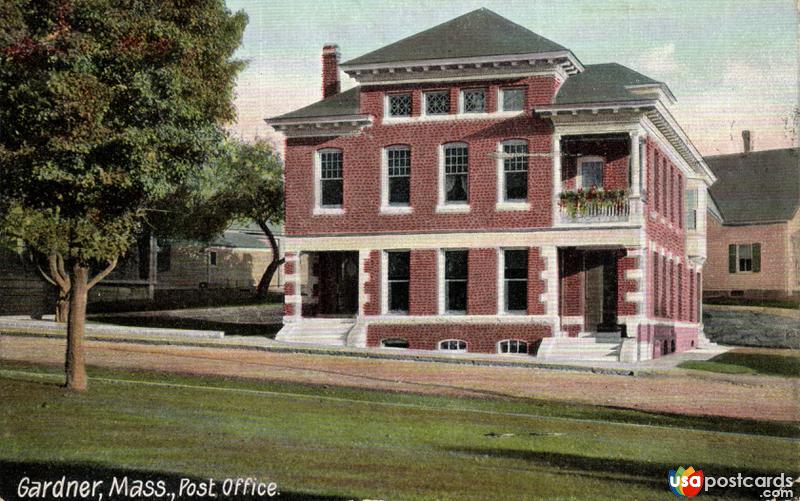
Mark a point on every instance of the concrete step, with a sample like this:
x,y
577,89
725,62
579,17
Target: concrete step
x,y
326,331
580,349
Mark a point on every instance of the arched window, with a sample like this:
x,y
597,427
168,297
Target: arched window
x,y
394,343
512,346
590,172
453,345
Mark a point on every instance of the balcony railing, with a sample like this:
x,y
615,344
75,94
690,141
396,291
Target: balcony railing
x,y
594,206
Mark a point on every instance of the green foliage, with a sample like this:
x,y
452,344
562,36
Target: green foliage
x,y
106,106
581,202
243,182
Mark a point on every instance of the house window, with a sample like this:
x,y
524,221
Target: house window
x,y
394,343
456,169
212,258
399,105
474,101
512,99
331,178
455,278
515,278
512,346
398,170
398,278
515,170
437,103
453,345
590,170
744,258
690,212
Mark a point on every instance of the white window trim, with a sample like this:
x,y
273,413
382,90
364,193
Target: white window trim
x,y
739,271
440,276
385,283
501,282
424,107
387,107
579,173
473,113
385,207
450,207
319,210
439,346
497,347
501,204
500,91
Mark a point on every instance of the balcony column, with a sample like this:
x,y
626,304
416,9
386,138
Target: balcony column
x,y
635,192
556,152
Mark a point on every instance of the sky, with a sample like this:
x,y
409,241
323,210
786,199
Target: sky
x,y
732,64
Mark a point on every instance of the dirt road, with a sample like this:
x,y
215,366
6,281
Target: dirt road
x,y
740,396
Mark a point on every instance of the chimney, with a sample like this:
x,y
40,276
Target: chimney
x,y
330,70
747,141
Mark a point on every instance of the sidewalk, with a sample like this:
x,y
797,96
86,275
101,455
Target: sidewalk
x,y
23,326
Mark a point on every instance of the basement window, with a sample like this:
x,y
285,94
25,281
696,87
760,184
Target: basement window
x,y
453,345
512,346
395,343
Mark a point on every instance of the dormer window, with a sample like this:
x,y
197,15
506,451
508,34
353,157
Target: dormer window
x,y
399,105
512,99
590,172
473,101
437,103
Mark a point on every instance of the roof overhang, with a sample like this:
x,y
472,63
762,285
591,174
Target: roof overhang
x,y
563,59
319,126
660,90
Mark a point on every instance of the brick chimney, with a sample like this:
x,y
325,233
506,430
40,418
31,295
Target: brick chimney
x,y
747,142
330,70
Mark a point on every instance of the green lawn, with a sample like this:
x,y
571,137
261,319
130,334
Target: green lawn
x,y
359,443
780,363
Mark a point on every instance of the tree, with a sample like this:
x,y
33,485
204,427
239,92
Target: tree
x,y
244,182
105,106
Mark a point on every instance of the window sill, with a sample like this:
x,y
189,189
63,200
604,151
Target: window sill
x,y
394,210
453,208
515,313
512,206
329,211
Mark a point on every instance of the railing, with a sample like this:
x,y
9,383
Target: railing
x,y
594,206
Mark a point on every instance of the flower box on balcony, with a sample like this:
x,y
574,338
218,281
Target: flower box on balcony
x,y
594,202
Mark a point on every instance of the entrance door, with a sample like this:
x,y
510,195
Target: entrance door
x,y
338,294
593,291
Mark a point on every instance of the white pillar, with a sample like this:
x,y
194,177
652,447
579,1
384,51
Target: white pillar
x,y
556,152
635,135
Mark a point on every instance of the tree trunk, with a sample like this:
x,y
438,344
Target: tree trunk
x,y
75,367
263,285
62,307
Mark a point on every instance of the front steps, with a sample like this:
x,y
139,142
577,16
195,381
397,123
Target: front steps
x,y
326,331
600,347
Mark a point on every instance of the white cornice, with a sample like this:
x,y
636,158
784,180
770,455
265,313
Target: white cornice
x,y
613,106
317,120
556,71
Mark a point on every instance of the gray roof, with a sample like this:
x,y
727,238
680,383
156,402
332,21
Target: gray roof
x,y
602,83
341,104
756,187
477,33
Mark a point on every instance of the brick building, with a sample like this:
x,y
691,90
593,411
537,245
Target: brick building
x,y
483,190
754,225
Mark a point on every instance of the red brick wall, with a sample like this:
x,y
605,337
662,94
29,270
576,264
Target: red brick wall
x,y
423,285
372,265
571,290
362,162
482,282
615,154
480,338
625,263
669,232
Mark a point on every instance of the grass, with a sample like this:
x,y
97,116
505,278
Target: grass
x,y
785,363
791,304
326,441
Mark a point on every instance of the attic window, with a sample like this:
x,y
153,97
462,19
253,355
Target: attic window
x,y
473,101
399,105
512,99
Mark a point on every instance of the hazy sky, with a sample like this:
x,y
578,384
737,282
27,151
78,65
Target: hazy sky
x,y
732,64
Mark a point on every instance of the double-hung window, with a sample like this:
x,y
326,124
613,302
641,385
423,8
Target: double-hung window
x,y
331,178
473,101
398,173
455,281
399,105
744,258
512,99
398,276
437,103
515,171
690,211
456,173
515,280
591,172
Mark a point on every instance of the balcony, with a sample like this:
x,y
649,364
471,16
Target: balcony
x,y
594,206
